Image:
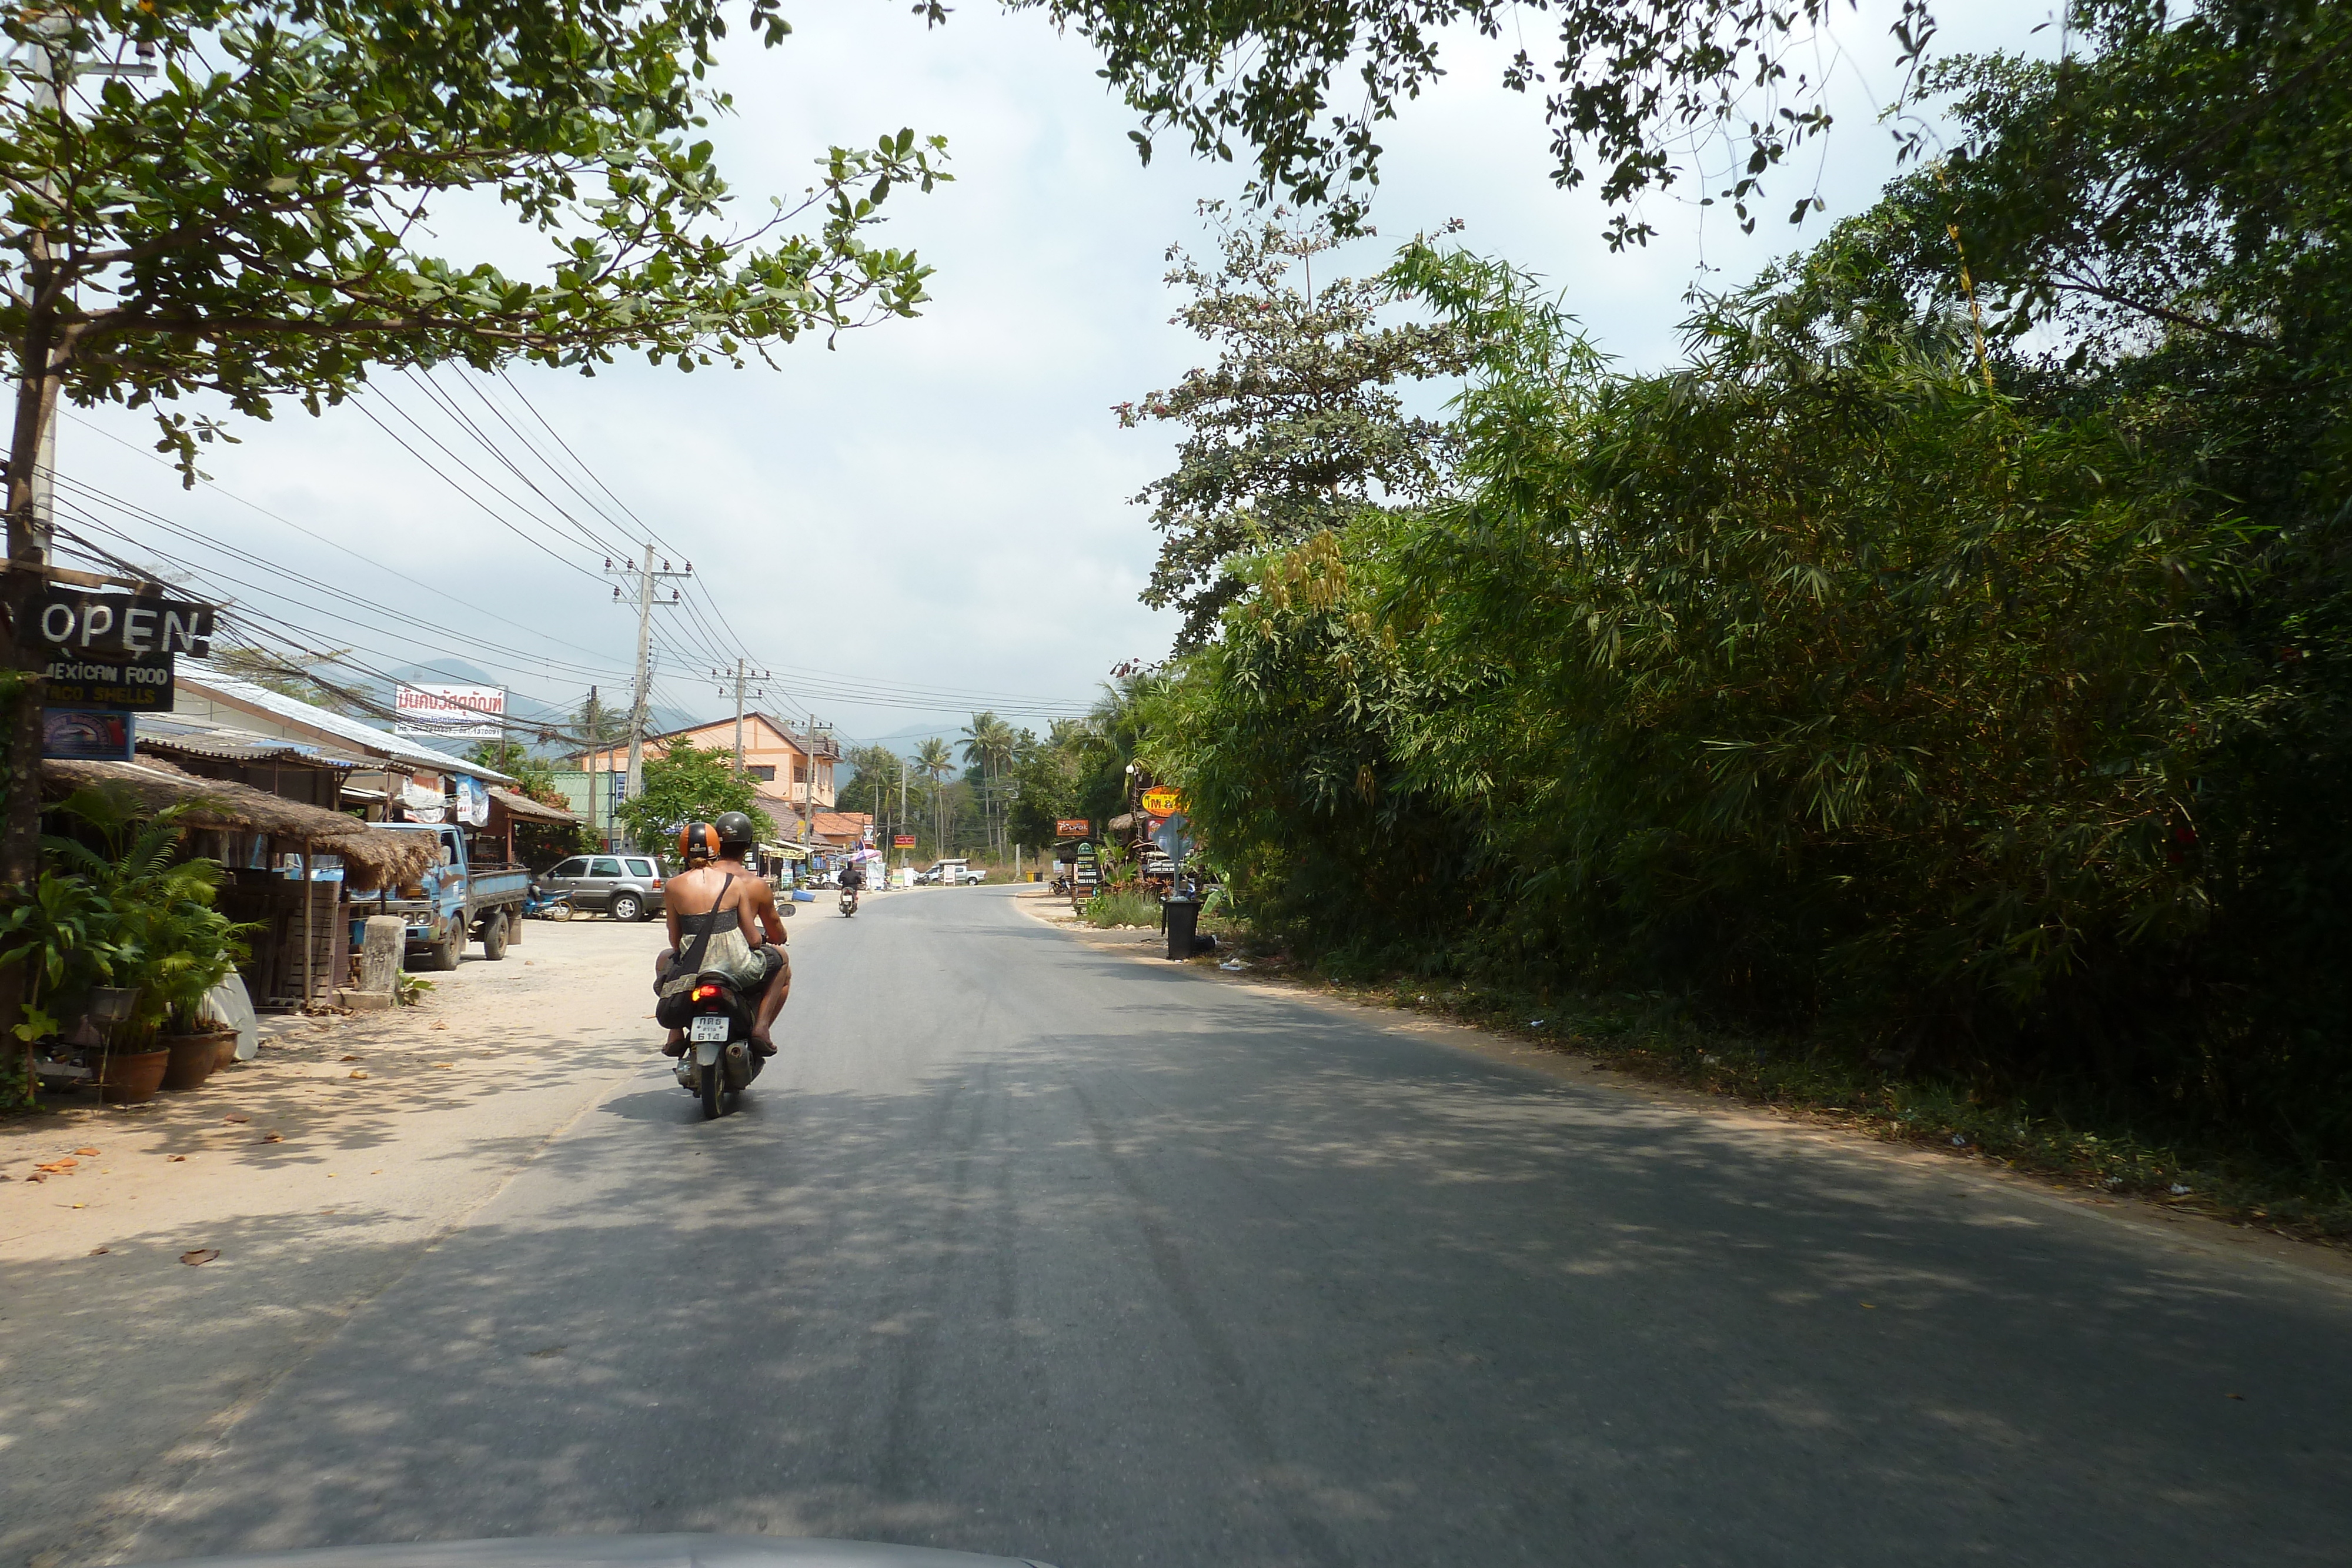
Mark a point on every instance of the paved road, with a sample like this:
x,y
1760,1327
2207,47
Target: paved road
x,y
1027,1247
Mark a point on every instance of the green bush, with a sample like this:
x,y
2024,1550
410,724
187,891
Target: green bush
x,y
1121,906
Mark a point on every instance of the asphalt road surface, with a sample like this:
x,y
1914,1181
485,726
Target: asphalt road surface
x,y
1027,1247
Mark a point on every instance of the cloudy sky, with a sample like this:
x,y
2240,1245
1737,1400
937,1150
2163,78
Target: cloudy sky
x,y
933,515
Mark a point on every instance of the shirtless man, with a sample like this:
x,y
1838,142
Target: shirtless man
x,y
704,886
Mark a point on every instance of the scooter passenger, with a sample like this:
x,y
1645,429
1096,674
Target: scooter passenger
x,y
736,931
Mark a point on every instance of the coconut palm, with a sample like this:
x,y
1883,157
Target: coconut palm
x,y
988,744
934,762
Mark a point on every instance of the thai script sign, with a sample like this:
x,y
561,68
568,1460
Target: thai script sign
x,y
450,712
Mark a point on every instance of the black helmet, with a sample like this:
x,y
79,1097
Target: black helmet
x,y
735,830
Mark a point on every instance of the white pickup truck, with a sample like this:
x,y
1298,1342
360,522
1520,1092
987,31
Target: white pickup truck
x,y
951,873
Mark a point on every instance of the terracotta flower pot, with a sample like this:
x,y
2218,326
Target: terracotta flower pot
x,y
224,1049
132,1079
195,1058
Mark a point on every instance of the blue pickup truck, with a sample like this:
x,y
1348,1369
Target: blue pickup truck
x,y
456,900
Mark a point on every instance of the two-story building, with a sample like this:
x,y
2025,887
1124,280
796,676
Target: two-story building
x,y
794,768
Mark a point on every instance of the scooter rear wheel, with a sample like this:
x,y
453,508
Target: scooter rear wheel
x,y
712,1087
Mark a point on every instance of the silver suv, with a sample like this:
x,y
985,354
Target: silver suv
x,y
627,887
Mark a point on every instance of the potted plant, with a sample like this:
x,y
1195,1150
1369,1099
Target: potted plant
x,y
63,938
166,938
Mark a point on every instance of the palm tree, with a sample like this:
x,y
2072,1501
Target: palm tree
x,y
934,762
988,743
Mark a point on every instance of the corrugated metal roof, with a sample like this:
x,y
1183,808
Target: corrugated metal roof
x,y
383,743
177,736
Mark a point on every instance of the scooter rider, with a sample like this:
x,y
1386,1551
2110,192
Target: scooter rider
x,y
853,877
749,948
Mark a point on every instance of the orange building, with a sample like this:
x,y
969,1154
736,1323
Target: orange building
x,y
793,767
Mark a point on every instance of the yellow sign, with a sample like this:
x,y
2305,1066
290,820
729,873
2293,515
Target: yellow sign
x,y
1162,801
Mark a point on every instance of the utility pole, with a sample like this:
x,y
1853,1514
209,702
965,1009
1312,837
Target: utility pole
x,y
814,733
646,576
593,719
743,673
902,808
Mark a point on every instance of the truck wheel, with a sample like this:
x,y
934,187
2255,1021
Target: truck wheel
x,y
443,955
494,937
626,906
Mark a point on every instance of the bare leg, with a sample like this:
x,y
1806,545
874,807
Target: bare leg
x,y
676,1036
771,1003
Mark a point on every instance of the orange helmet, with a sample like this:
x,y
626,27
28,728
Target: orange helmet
x,y
696,842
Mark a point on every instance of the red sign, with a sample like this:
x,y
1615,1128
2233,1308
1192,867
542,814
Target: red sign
x,y
903,841
1072,827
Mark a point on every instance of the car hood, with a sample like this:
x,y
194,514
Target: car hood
x,y
617,1552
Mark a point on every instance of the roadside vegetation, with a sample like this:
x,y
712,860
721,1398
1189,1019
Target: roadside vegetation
x,y
1931,699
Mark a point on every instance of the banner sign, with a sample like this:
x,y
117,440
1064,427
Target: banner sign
x,y
115,625
1163,800
118,683
450,712
80,735
902,842
1072,827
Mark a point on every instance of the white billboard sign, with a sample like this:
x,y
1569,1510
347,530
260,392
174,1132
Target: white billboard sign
x,y
450,712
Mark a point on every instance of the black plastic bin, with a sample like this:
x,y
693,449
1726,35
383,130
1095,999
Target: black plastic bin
x,y
1182,917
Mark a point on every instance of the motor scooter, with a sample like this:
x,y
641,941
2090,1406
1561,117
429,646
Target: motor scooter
x,y
537,903
848,902
719,1062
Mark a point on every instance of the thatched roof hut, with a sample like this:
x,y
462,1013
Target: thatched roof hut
x,y
375,857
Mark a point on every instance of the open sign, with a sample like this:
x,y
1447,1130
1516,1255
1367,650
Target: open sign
x,y
76,622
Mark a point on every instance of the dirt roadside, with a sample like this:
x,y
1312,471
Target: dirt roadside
x,y
2172,1226
154,1287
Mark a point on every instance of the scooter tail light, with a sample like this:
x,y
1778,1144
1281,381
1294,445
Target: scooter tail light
x,y
705,993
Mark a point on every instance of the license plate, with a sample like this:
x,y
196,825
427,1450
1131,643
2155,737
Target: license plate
x,y
709,1026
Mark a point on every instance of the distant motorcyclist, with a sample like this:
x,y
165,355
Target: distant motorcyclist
x,y
736,929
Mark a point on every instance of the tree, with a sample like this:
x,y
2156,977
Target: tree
x,y
1639,90
686,784
988,747
540,844
1297,426
289,677
250,221
934,762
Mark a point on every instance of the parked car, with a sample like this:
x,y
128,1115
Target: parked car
x,y
627,886
454,902
951,873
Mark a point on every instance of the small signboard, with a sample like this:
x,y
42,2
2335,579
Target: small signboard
x,y
1072,827
102,626
1083,871
1163,800
902,841
109,682
80,734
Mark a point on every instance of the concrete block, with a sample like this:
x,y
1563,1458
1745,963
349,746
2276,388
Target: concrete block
x,y
364,1001
380,951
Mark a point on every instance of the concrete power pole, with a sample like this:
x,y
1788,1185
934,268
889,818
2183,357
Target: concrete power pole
x,y
646,576
744,673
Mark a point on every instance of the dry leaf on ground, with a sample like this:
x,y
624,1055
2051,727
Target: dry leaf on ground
x,y
56,1166
201,1255
236,1116
273,1137
350,1058
440,1064
359,1073
99,1251
92,1153
175,1157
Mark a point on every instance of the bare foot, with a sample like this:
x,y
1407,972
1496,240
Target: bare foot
x,y
761,1043
676,1044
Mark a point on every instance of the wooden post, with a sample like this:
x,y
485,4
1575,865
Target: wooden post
x,y
310,923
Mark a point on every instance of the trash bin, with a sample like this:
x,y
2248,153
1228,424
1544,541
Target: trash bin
x,y
1182,917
